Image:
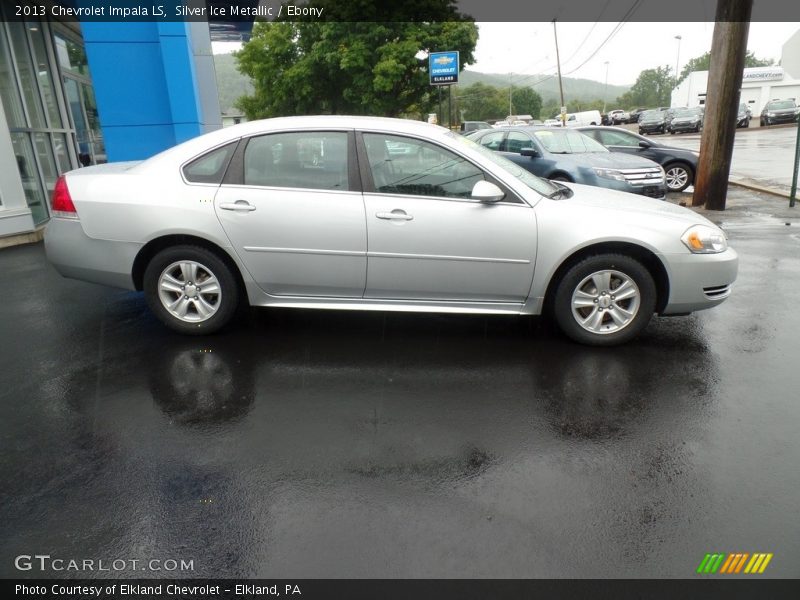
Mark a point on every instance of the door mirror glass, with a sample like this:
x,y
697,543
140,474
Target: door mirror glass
x,y
529,151
486,191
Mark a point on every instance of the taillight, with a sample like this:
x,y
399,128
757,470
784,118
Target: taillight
x,y
62,201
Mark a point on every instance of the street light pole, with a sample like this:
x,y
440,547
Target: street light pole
x,y
560,85
677,59
605,91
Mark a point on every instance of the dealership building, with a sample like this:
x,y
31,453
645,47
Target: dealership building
x,y
759,84
77,94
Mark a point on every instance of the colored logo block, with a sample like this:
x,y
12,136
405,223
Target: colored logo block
x,y
734,563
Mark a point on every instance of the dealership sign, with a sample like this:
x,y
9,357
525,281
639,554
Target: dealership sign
x,y
443,68
762,74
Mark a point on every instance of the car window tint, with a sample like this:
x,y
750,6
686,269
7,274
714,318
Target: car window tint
x,y
617,138
492,141
308,159
210,168
408,166
516,141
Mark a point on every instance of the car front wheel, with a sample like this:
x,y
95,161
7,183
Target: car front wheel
x,y
604,300
678,177
191,290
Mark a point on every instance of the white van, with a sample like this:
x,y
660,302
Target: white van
x,y
581,119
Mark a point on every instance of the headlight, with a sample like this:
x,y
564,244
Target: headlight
x,y
702,239
609,174
770,114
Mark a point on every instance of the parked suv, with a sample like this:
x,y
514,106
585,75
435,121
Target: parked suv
x,y
779,111
618,116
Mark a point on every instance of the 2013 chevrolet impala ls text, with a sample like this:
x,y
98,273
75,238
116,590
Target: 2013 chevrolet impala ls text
x,y
379,214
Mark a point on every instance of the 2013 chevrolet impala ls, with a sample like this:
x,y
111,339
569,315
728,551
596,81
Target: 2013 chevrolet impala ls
x,y
379,214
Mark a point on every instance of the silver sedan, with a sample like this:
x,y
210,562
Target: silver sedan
x,y
366,213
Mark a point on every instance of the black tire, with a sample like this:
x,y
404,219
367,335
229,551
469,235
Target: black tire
x,y
578,277
208,264
688,171
642,132
560,177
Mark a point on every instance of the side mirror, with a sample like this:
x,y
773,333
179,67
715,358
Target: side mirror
x,y
645,144
486,191
529,151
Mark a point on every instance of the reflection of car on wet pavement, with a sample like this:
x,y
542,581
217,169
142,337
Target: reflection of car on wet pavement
x,y
225,218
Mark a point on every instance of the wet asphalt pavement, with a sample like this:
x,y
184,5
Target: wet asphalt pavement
x,y
335,444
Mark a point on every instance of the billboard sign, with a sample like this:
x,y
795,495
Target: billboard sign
x,y
443,68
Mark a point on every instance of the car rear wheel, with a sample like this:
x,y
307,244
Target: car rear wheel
x,y
191,290
604,300
678,176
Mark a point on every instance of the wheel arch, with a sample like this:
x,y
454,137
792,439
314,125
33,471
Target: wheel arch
x,y
560,173
644,255
156,245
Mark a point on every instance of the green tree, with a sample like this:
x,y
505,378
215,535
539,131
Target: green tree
x,y
703,62
348,65
482,102
653,87
526,101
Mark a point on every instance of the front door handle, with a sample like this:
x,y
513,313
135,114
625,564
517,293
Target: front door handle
x,y
396,215
239,205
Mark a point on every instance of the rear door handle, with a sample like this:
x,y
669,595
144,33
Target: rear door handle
x,y
395,215
239,205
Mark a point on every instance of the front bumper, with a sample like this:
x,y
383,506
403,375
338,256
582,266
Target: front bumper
x,y
784,118
699,281
77,256
651,127
684,126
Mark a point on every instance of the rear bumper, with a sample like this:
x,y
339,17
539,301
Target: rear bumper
x,y
699,281
77,256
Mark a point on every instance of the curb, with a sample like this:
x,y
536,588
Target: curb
x,y
759,188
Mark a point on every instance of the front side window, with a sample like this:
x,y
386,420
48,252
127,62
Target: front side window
x,y
516,141
413,167
307,159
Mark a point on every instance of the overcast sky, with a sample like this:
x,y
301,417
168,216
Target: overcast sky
x,y
529,48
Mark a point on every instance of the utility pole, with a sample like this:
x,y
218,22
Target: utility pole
x,y
605,90
677,59
510,90
560,85
728,48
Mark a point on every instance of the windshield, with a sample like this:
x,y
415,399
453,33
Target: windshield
x,y
692,112
567,142
780,104
538,185
653,114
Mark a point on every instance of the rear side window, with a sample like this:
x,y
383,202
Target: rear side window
x,y
210,168
308,159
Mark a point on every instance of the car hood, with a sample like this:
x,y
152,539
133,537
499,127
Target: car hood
x,y
652,120
608,160
685,119
597,198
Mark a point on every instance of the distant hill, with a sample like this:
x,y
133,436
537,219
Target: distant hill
x,y
233,84
584,90
230,83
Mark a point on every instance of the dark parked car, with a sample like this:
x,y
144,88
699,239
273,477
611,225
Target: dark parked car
x,y
743,116
652,121
679,164
469,126
569,155
689,119
633,116
779,111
